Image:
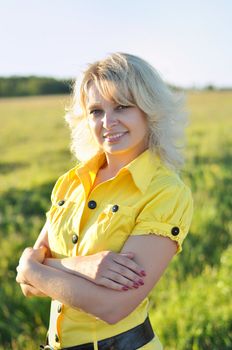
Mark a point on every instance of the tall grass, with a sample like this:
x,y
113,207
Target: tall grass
x,y
191,307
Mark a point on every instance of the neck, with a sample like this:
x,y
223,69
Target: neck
x,y
115,162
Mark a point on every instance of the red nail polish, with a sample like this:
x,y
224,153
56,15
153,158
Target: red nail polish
x,y
141,282
143,273
125,288
135,285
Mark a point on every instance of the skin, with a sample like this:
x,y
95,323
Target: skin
x,y
109,118
112,270
122,133
109,305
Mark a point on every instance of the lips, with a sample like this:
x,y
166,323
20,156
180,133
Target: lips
x,y
114,136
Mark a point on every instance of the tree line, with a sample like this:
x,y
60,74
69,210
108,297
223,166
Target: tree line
x,y
33,85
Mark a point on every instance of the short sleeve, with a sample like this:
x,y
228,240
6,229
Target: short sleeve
x,y
168,213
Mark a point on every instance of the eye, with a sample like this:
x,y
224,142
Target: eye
x,y
121,107
95,112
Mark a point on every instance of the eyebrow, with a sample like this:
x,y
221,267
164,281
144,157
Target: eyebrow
x,y
94,105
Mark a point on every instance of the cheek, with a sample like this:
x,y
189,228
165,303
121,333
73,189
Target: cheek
x,y
141,126
144,125
95,128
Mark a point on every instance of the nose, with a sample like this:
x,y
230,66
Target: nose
x,y
109,120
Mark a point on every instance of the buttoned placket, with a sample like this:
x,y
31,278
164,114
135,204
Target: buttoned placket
x,y
75,240
86,184
91,201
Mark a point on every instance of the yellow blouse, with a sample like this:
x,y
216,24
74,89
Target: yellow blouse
x,y
144,197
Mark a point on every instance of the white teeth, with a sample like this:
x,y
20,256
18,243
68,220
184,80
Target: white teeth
x,y
114,136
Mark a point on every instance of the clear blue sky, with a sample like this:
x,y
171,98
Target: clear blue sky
x,y
189,42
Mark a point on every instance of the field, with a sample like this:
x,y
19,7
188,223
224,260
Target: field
x,y
191,306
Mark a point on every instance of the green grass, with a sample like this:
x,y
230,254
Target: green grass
x,y
191,306
34,141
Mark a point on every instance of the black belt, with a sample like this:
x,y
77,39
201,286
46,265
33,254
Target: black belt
x,y
132,339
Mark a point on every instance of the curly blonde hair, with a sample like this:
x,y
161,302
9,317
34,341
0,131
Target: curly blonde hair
x,y
129,80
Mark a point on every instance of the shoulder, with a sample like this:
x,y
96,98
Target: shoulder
x,y
167,207
168,199
168,182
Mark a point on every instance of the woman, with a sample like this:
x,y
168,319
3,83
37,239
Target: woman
x,y
118,218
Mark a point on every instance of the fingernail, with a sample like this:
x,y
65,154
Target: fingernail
x,y
135,285
125,288
141,282
143,273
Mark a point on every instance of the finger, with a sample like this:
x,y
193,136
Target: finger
x,y
105,282
43,248
48,253
19,279
131,277
129,264
27,250
120,279
31,289
129,255
18,268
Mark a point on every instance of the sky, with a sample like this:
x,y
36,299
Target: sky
x,y
188,42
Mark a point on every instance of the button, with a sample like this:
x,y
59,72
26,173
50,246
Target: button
x,y
175,231
60,203
74,239
59,308
92,204
115,208
56,338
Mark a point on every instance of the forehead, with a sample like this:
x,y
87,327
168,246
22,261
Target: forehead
x,y
93,94
107,92
93,97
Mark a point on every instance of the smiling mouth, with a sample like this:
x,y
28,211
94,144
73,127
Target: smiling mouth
x,y
114,137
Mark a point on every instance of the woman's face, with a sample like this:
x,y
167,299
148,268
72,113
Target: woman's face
x,y
118,130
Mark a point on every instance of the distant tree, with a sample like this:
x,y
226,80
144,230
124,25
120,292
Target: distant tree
x,y
210,87
32,85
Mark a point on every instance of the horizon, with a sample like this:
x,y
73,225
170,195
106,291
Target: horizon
x,y
204,87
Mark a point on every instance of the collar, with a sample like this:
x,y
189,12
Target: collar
x,y
90,168
141,169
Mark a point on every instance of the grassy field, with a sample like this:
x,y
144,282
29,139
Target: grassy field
x,y
191,305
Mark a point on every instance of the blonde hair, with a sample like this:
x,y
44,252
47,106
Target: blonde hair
x,y
129,80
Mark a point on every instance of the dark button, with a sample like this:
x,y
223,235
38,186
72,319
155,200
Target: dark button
x,y
60,203
175,231
56,338
115,208
59,308
74,239
92,204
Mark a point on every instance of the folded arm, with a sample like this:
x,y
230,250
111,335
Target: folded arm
x,y
112,270
153,252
